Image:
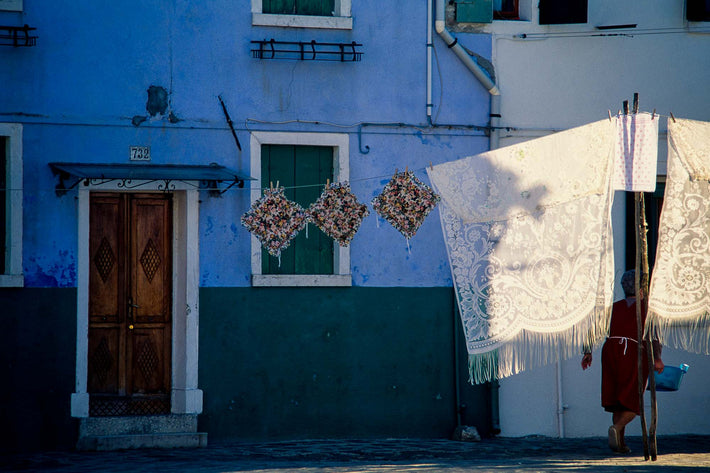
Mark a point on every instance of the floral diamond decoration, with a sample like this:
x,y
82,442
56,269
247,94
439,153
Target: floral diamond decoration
x,y
405,202
275,220
338,213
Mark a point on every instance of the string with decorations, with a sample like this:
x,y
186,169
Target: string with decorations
x,y
404,202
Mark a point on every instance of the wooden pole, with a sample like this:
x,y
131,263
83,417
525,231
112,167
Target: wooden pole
x,y
653,447
640,294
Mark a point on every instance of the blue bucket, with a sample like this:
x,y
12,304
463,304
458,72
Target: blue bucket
x,y
671,377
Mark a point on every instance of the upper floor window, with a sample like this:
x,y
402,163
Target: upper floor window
x,y
505,10
329,14
11,205
698,10
558,12
485,11
299,7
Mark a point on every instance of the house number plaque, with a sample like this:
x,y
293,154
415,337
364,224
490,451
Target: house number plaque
x,y
140,153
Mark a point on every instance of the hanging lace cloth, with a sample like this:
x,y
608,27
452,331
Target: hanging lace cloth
x,y
679,296
636,153
528,235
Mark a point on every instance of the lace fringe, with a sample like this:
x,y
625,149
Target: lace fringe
x,y
532,349
689,333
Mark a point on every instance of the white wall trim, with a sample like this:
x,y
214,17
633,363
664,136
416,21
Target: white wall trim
x,y
323,280
342,18
341,173
185,397
12,275
11,5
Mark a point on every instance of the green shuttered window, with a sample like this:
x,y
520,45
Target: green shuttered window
x,y
299,7
303,171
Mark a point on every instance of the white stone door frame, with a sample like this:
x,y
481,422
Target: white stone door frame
x,y
185,397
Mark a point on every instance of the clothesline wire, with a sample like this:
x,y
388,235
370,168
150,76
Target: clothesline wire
x,y
233,188
381,176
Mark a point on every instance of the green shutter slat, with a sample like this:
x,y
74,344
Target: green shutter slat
x,y
299,7
284,7
474,11
315,7
325,243
279,170
303,170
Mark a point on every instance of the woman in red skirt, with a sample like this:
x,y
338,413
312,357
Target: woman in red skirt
x,y
619,365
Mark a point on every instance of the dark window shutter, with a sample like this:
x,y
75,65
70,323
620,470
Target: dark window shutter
x,y
654,204
557,12
303,170
299,7
697,10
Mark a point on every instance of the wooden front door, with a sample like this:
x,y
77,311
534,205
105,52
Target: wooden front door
x,y
130,289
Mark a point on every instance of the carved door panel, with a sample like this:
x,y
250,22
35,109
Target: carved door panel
x,y
130,289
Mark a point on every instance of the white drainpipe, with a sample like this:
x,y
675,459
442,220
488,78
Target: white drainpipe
x,y
469,62
429,46
494,121
452,43
560,403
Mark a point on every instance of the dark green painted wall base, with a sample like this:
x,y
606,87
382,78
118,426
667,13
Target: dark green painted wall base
x,y
37,352
275,363
284,363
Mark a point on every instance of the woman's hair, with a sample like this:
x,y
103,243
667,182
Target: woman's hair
x,y
628,282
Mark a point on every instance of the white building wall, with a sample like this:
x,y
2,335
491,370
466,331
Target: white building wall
x,y
561,76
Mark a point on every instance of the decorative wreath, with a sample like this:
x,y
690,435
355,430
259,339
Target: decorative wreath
x,y
405,202
338,213
275,220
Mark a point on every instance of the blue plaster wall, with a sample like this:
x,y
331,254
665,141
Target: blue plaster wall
x,y
78,90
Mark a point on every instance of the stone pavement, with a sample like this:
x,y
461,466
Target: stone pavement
x,y
677,454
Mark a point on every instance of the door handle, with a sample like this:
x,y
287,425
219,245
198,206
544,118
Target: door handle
x,y
130,308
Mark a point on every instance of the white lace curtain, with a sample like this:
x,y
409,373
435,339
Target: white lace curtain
x,y
528,234
679,296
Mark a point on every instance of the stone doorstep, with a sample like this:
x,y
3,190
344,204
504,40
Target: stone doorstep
x,y
137,425
133,441
117,433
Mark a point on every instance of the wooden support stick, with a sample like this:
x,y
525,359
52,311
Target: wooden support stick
x,y
641,283
636,103
643,227
638,198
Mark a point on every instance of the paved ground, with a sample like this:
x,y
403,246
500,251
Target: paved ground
x,y
677,454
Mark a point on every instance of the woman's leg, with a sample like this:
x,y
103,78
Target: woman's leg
x,y
620,419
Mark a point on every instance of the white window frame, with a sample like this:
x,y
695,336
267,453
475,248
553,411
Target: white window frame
x,y
12,275
340,143
342,19
10,5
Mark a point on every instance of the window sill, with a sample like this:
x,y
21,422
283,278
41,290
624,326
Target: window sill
x,y
11,5
699,27
302,21
12,280
306,280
